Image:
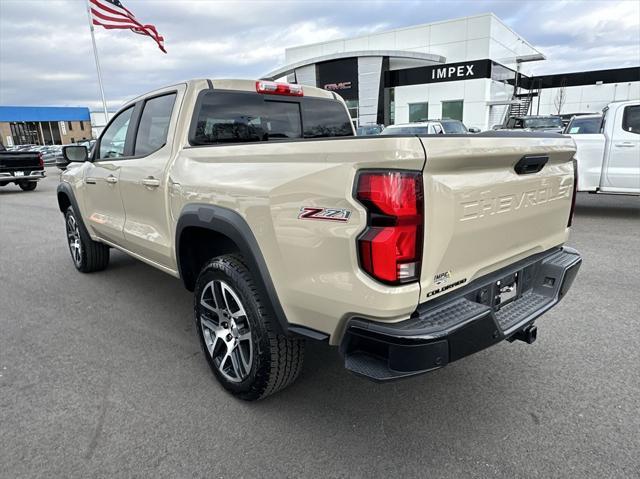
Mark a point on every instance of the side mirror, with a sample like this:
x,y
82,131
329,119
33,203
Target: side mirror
x,y
474,130
75,153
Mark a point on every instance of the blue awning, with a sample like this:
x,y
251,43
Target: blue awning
x,y
44,113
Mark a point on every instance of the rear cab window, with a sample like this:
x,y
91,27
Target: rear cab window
x,y
238,117
631,119
584,126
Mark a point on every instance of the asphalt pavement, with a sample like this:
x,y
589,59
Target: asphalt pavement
x,y
101,375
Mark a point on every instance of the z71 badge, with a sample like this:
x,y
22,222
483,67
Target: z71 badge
x,y
326,214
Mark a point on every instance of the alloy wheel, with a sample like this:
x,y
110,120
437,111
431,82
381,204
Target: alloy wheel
x,y
226,330
73,236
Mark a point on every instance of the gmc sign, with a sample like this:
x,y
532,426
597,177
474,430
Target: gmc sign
x,y
345,85
340,76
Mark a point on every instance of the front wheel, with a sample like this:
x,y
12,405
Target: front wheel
x,y
28,185
87,255
237,333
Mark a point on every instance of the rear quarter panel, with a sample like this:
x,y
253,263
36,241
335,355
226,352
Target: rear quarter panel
x,y
313,263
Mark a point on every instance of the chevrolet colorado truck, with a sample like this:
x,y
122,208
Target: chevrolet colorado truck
x,y
405,252
24,168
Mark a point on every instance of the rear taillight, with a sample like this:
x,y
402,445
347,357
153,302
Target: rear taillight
x,y
574,192
275,88
390,248
41,160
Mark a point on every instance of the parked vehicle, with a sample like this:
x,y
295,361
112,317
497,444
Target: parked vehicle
x,y
23,168
548,123
51,153
368,130
609,160
419,128
406,252
456,127
566,117
584,125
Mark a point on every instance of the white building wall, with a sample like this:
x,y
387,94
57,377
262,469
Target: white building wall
x,y
460,39
586,98
306,75
369,70
472,92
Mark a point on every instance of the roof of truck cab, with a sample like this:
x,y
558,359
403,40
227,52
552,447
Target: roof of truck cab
x,y
250,85
237,84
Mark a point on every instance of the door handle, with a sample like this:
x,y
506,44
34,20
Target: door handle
x,y
151,182
90,181
111,179
626,144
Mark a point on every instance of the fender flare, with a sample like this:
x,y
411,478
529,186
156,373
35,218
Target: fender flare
x,y
66,189
230,224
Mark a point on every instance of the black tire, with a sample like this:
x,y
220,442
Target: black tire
x,y
276,360
28,185
90,256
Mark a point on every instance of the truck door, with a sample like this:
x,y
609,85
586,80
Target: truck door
x,y
105,212
143,180
622,165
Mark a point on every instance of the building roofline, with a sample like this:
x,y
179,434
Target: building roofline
x,y
392,30
291,67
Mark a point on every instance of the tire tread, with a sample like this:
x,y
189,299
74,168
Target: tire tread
x,y
284,356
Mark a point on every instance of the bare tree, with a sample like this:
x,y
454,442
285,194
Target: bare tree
x,y
561,97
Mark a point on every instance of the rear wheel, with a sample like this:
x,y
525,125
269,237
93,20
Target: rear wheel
x,y
237,333
28,185
87,255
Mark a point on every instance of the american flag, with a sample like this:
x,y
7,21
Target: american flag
x,y
111,14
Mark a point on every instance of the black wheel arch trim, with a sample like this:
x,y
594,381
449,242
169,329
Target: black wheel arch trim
x,y
230,224
65,188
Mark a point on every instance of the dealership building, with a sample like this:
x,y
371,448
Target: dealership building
x,y
43,125
475,69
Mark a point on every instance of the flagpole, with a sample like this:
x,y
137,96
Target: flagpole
x,y
95,55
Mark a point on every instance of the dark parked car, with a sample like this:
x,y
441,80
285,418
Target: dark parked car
x,y
24,168
548,123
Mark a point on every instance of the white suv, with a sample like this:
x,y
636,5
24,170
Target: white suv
x,y
418,128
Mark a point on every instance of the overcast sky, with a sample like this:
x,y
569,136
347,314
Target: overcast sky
x,y
46,57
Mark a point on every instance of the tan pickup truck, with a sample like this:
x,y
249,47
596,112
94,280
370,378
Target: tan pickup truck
x,y
407,252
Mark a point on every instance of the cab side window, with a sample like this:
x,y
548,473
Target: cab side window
x,y
154,124
631,119
112,142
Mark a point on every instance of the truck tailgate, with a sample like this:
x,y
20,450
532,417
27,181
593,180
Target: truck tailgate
x,y
481,215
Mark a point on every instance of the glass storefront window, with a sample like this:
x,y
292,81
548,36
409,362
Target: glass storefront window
x,y
418,112
452,109
352,105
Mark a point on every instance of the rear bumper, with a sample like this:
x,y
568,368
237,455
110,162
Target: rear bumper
x,y
462,322
28,176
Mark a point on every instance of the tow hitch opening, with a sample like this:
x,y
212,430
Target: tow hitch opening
x,y
528,335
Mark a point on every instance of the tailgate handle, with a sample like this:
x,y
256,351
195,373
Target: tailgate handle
x,y
530,164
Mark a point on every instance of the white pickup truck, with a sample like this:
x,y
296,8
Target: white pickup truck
x,y
609,160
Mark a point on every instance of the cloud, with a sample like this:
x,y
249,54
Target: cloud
x,y
46,56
